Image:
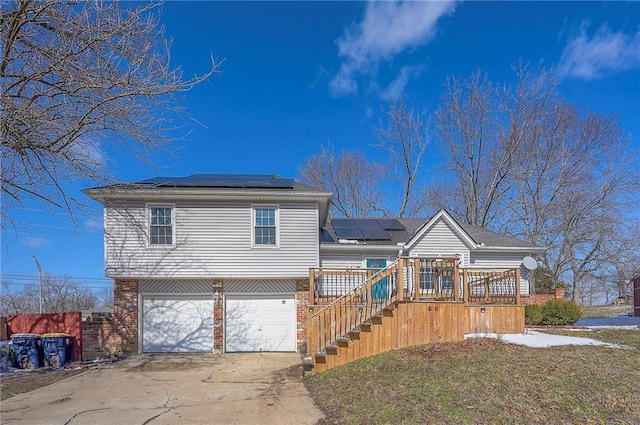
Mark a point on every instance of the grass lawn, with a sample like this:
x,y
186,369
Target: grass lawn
x,y
485,382
606,310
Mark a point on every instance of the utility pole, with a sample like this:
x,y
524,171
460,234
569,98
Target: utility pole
x,y
39,280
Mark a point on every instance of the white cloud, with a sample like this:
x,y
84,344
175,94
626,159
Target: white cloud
x,y
34,242
395,89
605,52
388,28
368,112
95,224
87,152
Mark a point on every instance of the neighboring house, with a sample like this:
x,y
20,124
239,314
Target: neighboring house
x,y
215,262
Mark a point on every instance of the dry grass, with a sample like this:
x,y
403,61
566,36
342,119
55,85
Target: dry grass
x,y
484,382
606,310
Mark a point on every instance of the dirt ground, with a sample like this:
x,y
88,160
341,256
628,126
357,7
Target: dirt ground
x,y
25,381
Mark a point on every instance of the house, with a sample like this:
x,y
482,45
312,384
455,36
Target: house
x,y
230,263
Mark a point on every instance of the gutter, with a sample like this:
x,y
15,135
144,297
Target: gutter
x,y
338,247
481,248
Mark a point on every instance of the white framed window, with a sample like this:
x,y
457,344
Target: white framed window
x,y
265,226
161,221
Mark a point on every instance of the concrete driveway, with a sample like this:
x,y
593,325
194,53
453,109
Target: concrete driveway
x,y
174,389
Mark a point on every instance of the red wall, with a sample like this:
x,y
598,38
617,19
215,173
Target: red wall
x,y
636,296
69,323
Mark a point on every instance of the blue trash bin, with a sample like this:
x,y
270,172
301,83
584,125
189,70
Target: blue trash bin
x,y
7,356
57,348
28,349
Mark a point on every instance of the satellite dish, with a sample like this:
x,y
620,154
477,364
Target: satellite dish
x,y
530,263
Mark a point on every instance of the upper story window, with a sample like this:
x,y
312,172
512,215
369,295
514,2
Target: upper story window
x,y
265,226
161,225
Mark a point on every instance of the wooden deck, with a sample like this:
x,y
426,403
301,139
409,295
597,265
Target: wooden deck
x,y
359,313
404,324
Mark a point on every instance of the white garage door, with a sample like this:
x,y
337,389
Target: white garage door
x,y
173,323
260,323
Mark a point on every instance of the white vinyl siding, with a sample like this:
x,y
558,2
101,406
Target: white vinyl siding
x,y
211,240
441,240
348,260
502,260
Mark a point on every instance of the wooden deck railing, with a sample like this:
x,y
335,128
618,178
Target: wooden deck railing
x,y
344,299
332,322
491,287
424,278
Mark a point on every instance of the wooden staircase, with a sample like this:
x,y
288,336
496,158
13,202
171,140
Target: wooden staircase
x,y
333,326
387,311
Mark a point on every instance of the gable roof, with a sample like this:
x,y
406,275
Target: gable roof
x,y
474,236
213,187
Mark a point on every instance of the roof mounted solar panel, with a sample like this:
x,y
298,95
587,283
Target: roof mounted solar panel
x,y
373,234
366,223
390,224
223,181
343,223
349,233
325,236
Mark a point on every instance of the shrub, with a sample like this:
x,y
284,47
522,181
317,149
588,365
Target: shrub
x,y
532,314
560,312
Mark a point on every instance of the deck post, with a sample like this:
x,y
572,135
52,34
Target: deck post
x,y
456,282
312,289
486,289
517,286
465,286
416,279
400,279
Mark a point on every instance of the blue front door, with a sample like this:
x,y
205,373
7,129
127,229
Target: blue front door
x,y
380,289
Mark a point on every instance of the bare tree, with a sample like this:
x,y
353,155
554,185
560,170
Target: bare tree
x,y
78,79
575,191
14,299
105,296
524,161
484,130
404,138
59,294
350,177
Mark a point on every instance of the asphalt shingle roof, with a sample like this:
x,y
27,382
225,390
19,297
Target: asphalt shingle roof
x,y
413,226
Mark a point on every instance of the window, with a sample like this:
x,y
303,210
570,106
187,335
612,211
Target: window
x,y
428,276
161,226
264,226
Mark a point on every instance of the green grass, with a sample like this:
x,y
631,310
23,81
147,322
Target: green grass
x,y
484,382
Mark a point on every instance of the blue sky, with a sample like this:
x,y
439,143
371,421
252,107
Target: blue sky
x,y
300,74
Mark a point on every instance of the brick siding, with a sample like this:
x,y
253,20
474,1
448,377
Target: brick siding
x,y
541,299
302,313
125,314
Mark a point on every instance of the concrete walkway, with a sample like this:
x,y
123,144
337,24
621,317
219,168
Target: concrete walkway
x,y
174,389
